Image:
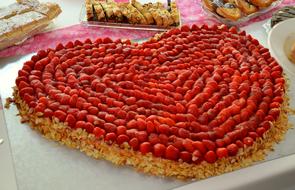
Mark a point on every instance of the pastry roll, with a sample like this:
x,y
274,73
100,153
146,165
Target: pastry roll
x,y
245,6
148,16
175,13
132,14
108,11
99,12
229,11
166,17
116,10
261,3
89,10
153,9
212,5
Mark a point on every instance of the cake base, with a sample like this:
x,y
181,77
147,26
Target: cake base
x,y
124,155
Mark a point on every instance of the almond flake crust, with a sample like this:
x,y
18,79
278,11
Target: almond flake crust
x,y
123,155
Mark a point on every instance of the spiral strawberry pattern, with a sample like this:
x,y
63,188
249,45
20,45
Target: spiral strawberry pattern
x,y
194,94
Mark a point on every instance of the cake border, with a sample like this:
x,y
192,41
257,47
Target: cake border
x,y
123,155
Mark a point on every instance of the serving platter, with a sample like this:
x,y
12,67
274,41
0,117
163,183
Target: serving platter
x,y
279,37
37,160
245,18
83,20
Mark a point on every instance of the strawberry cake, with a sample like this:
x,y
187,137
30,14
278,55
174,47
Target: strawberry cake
x,y
189,103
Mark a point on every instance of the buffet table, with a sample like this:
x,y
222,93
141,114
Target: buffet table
x,y
30,162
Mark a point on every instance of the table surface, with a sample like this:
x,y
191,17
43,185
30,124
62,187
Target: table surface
x,y
260,176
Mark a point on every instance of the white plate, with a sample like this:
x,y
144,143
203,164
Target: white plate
x,y
277,39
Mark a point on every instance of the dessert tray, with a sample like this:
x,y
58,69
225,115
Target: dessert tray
x,y
83,20
243,19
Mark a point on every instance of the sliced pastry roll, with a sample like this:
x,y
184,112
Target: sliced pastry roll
x,y
261,3
132,14
99,12
166,17
148,16
175,13
229,11
153,9
116,10
245,6
107,8
89,10
212,5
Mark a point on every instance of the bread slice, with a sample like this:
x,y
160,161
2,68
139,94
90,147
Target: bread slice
x,y
161,15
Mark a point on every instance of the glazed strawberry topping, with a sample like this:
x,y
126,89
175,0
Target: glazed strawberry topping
x,y
194,94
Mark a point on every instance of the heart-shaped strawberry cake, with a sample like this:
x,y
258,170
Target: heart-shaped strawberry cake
x,y
189,103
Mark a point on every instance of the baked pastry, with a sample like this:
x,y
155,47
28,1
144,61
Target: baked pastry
x,y
99,12
187,104
212,5
116,10
229,11
175,13
110,16
161,15
133,13
21,20
245,6
262,3
148,16
235,9
89,10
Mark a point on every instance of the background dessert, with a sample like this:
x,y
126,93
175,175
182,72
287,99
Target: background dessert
x,y
23,19
234,10
133,12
